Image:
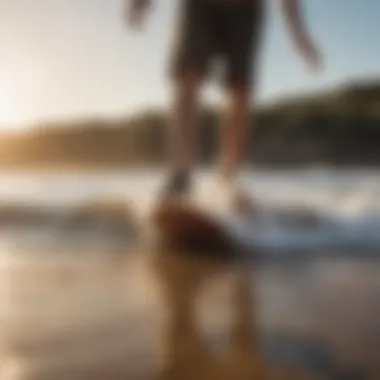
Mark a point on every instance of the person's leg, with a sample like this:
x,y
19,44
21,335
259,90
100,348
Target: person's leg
x,y
241,48
234,124
183,132
233,127
191,55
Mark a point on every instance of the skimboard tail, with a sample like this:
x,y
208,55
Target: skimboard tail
x,y
186,226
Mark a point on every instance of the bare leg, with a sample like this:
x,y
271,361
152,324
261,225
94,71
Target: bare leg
x,y
233,133
232,146
184,116
183,133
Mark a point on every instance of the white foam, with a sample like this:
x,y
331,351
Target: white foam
x,y
346,203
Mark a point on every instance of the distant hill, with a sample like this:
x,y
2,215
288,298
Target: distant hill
x,y
340,127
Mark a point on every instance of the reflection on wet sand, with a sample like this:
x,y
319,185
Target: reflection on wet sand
x,y
323,314
147,314
189,353
309,320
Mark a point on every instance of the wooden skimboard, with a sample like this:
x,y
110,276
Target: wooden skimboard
x,y
185,224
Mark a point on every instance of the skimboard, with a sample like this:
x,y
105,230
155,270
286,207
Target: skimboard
x,y
202,222
188,225
207,224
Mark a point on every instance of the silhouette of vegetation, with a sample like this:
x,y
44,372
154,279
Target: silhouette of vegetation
x,y
340,127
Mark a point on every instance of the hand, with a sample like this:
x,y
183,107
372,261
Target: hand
x,y
311,54
136,12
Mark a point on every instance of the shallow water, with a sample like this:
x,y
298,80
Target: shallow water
x,y
78,314
345,204
83,301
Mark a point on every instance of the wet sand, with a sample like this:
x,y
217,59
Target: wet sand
x,y
143,313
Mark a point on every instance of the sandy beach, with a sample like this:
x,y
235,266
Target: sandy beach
x,y
142,313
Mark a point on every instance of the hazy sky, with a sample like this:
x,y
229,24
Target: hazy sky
x,y
73,58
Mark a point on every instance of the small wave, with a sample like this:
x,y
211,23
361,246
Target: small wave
x,y
308,210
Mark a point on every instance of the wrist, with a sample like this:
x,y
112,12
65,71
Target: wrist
x,y
301,40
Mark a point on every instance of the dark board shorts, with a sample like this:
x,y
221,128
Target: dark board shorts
x,y
227,31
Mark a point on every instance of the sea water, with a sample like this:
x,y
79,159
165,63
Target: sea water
x,y
345,204
66,311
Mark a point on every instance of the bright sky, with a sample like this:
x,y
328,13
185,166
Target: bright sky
x,y
75,58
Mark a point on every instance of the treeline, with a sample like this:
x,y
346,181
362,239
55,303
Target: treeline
x,y
337,127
